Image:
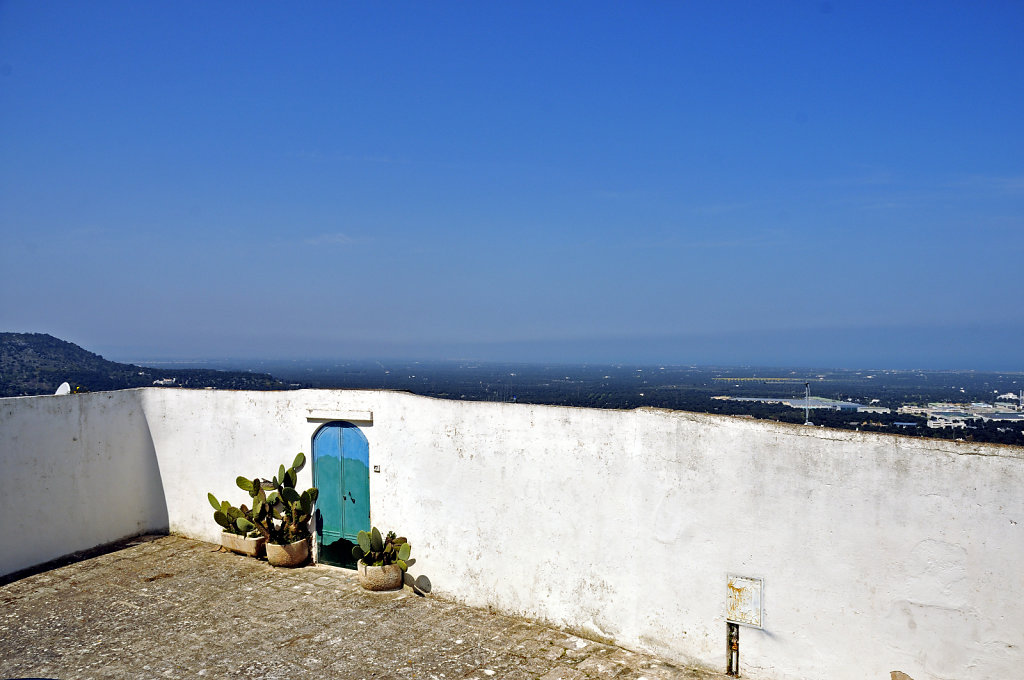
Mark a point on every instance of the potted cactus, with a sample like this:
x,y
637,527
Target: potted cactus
x,y
382,561
282,515
239,534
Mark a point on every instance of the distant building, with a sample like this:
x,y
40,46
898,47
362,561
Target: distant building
x,y
945,414
812,403
1013,417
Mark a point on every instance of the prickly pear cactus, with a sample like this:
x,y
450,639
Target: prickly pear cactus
x,y
376,551
279,512
228,516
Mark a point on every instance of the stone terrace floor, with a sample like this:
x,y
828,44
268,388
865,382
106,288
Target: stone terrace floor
x,y
166,606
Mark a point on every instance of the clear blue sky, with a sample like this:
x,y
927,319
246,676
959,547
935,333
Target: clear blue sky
x,y
827,183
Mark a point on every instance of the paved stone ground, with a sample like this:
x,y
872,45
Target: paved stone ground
x,y
169,607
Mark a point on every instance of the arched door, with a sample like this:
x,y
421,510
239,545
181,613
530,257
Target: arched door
x,y
341,471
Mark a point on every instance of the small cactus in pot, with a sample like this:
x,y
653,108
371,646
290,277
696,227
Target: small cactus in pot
x,y
239,534
383,560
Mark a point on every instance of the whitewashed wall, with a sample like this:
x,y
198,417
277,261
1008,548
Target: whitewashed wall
x,y
879,553
76,471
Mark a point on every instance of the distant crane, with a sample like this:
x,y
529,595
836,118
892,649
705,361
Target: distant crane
x,y
807,404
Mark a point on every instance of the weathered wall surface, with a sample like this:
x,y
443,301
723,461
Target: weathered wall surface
x,y
879,553
76,471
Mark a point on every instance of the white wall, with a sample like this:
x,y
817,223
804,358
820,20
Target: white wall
x,y
879,553
76,471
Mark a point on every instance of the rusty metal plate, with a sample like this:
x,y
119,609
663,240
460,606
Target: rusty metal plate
x,y
744,600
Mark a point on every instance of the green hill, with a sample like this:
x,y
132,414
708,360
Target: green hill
x,y
37,363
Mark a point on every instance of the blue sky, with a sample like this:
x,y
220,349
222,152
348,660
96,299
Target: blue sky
x,y
836,184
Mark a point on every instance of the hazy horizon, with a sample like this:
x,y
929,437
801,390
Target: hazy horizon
x,y
931,348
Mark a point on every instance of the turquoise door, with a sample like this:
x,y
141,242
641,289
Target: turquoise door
x,y
341,471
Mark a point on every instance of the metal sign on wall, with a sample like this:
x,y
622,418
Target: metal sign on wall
x,y
744,602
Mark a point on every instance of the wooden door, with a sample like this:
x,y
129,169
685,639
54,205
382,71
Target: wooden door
x,y
341,471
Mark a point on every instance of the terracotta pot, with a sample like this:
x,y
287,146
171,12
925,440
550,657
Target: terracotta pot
x,y
242,545
388,577
291,555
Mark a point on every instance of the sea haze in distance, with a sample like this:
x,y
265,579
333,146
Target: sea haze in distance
x,y
992,347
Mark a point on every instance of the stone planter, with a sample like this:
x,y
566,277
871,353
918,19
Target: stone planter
x,y
388,577
242,545
291,555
